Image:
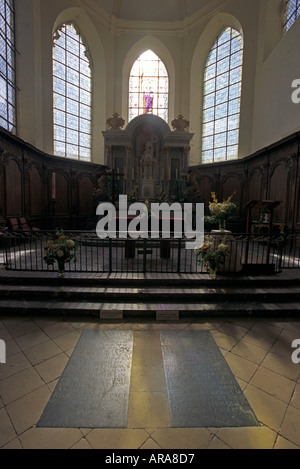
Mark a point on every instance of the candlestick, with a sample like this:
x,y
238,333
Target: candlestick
x,y
53,186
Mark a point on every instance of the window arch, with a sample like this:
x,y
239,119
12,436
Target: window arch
x,y
7,66
72,94
291,13
221,98
148,87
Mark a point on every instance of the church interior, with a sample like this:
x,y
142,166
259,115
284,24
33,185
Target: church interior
x,y
114,334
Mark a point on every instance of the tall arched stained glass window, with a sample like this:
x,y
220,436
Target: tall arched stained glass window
x,y
292,11
221,98
72,95
7,66
148,87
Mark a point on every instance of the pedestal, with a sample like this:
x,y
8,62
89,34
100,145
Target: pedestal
x,y
148,189
234,261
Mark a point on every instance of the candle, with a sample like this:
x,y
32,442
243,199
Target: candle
x,y
53,185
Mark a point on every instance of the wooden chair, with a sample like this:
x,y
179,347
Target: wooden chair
x,y
25,227
13,224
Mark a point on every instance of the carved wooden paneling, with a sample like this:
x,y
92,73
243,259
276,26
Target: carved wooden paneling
x,y
273,173
206,187
297,204
233,183
279,190
255,184
36,192
85,196
25,182
62,195
13,188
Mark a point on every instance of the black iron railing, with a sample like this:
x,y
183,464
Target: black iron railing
x,y
26,250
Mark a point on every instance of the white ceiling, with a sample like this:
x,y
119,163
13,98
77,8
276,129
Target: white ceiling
x,y
152,10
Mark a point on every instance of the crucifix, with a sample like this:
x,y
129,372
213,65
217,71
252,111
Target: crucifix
x,y
115,175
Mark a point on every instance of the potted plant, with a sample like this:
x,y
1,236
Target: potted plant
x,y
60,249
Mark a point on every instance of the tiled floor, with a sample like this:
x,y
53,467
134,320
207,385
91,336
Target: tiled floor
x,y
257,351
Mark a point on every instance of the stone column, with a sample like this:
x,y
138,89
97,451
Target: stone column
x,y
186,159
129,170
166,169
108,156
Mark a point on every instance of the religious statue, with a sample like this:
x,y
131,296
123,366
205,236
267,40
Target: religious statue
x,y
148,102
148,161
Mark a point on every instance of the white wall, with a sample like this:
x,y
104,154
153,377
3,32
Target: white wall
x,y
275,115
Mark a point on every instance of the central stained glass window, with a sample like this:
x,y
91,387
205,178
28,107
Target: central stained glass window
x,y
148,87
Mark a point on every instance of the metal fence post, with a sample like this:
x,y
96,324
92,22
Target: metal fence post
x,y
179,255
144,255
110,254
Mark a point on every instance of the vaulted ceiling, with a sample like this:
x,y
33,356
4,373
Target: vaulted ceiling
x,y
152,10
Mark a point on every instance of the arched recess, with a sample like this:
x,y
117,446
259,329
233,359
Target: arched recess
x,y
144,44
95,48
204,45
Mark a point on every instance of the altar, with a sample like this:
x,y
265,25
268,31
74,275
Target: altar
x,y
165,243
147,154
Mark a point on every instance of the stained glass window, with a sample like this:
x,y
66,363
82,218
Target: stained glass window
x,y
148,87
292,11
72,95
221,98
7,66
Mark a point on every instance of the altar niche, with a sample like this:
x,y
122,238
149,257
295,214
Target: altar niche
x,y
149,156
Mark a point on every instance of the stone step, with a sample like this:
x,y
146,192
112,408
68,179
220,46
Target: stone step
x,y
139,279
148,310
175,294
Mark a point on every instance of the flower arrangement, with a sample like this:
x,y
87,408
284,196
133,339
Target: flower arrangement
x,y
60,249
213,255
132,196
163,197
220,211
